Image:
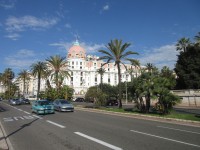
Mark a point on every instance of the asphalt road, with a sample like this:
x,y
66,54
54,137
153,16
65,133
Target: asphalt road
x,y
84,130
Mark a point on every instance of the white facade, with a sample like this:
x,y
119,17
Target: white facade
x,y
83,70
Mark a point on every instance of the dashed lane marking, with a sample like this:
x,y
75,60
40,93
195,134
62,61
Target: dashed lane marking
x,y
178,129
26,112
98,141
37,116
160,137
56,124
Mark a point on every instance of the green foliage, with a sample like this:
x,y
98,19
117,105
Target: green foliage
x,y
117,53
64,92
57,67
99,96
38,70
154,84
187,68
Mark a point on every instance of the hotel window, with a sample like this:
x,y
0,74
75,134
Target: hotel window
x,y
95,79
108,78
71,73
81,73
71,81
72,62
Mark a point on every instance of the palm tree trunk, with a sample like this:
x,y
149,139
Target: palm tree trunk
x,y
38,91
119,86
101,82
24,87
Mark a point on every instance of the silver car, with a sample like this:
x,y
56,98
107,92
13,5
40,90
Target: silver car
x,y
14,101
63,105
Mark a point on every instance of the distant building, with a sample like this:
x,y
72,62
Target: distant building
x,y
83,70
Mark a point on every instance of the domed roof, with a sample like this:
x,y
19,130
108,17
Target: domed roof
x,y
76,51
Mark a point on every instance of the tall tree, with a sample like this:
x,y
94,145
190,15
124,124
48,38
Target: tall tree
x,y
7,77
101,71
182,44
149,67
38,69
117,53
197,39
187,68
136,64
57,66
24,75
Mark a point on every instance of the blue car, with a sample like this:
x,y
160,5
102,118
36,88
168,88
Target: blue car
x,y
43,107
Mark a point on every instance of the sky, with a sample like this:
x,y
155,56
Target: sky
x,y
34,30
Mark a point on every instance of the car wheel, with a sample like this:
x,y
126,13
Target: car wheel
x,y
37,112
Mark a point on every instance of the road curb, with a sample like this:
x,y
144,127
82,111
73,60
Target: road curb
x,y
140,116
3,143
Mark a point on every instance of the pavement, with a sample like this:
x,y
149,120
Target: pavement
x,y
5,146
3,142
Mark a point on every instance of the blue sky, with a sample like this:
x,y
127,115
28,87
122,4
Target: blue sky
x,y
33,30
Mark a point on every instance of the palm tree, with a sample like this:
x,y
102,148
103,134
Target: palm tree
x,y
117,54
136,64
6,78
57,66
182,44
24,75
101,71
149,67
38,69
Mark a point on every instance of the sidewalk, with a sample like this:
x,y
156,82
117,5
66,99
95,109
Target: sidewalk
x,y
3,143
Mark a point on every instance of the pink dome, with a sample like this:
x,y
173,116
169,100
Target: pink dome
x,y
76,51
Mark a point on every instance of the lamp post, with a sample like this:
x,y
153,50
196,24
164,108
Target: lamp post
x,y
126,73
126,93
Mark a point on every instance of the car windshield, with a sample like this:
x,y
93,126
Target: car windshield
x,y
43,103
64,102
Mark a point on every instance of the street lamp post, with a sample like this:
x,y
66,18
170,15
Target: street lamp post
x,y
126,93
126,74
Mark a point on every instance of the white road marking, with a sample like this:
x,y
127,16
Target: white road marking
x,y
61,126
8,119
165,138
20,109
18,117
37,116
98,141
26,112
178,129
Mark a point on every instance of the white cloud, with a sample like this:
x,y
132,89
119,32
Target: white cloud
x,y
13,36
89,48
162,56
7,4
22,59
92,48
14,24
106,7
67,25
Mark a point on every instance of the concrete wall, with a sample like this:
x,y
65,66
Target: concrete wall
x,y
190,98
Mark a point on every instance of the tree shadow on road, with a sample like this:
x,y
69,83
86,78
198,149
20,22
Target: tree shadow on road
x,y
22,127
